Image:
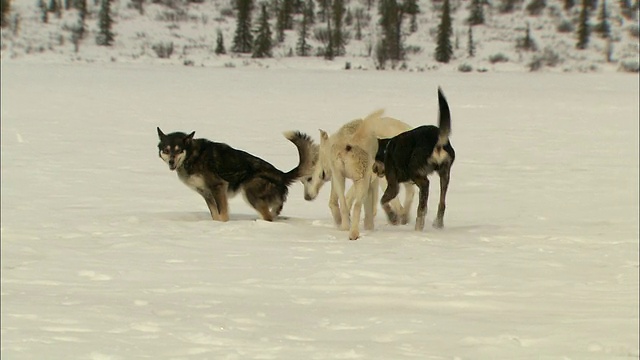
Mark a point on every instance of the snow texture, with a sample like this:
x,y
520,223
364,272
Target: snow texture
x,y
107,255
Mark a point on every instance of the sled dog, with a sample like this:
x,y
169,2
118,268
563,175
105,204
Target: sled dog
x,y
217,171
413,155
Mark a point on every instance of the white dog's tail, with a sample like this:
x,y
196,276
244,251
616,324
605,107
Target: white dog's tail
x,y
444,118
306,152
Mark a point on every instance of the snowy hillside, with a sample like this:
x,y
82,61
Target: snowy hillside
x,y
192,30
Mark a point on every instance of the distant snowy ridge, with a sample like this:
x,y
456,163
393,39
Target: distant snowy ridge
x,y
190,30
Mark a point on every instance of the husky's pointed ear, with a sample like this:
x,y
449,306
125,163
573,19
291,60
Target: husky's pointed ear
x,y
323,135
161,135
190,137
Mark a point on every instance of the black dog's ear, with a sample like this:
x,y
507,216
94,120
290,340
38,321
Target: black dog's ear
x,y
189,137
161,135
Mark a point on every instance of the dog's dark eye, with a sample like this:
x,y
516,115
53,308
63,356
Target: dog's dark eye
x,y
309,179
165,151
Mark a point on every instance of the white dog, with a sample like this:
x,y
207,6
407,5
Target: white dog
x,y
350,153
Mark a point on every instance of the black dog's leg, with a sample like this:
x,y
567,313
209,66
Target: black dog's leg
x,y
444,185
423,198
390,193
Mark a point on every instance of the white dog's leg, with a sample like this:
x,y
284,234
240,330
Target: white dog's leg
x,y
334,206
337,181
362,189
370,204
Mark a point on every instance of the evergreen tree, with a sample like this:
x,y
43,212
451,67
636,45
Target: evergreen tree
x,y
310,11
324,10
507,6
220,50
568,4
391,16
391,35
328,51
44,13
527,43
81,27
476,14
583,26
243,39
5,7
338,36
105,37
470,45
302,47
604,28
444,52
284,20
137,4
262,45
53,6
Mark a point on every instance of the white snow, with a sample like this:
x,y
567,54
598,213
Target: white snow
x,y
107,255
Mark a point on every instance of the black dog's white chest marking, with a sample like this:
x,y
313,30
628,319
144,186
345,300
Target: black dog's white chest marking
x,y
193,181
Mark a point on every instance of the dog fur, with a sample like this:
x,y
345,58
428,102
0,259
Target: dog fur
x,y
217,171
350,153
382,127
413,155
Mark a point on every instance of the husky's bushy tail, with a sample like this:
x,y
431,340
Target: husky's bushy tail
x,y
306,152
444,118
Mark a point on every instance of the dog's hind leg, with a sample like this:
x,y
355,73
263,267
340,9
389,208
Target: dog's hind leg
x,y
370,204
361,192
389,194
337,187
423,198
444,173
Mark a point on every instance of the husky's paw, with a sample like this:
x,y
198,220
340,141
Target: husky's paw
x,y
368,224
419,224
354,234
438,223
404,219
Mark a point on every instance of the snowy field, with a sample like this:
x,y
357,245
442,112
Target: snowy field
x,y
107,255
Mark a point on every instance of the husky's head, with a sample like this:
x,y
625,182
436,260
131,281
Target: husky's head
x,y
321,171
172,147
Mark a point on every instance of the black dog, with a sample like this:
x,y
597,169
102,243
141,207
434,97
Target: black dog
x,y
412,156
217,171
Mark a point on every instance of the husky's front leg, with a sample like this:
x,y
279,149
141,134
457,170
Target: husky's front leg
x,y
337,182
334,206
213,208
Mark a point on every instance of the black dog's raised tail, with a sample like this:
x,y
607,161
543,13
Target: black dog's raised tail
x,y
444,118
304,143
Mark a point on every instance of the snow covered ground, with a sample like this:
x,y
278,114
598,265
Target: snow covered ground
x,y
107,255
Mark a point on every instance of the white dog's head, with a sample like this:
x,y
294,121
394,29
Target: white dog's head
x,y
321,170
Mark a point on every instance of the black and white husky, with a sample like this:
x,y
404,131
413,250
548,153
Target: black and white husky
x,y
217,171
411,156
